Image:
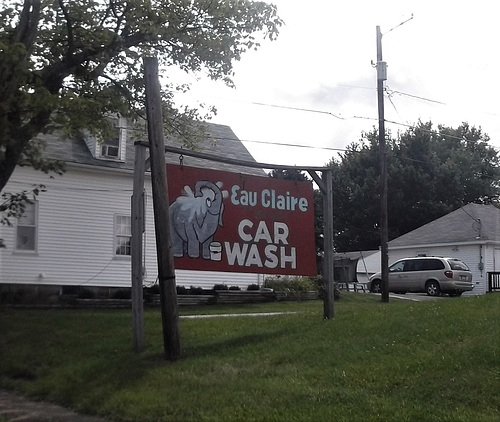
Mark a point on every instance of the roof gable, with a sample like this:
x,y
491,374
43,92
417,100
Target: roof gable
x,y
219,140
469,223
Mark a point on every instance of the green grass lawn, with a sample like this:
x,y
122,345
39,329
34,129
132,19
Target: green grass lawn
x,y
401,361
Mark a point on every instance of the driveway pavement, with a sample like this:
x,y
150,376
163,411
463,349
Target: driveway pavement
x,y
415,297
15,408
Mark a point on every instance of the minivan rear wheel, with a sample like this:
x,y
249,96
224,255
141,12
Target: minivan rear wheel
x,y
432,288
376,286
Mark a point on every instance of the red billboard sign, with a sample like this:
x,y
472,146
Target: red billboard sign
x,y
225,221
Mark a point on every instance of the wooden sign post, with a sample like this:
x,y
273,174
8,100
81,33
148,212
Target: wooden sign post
x,y
166,270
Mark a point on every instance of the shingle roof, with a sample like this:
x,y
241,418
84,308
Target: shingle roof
x,y
220,141
471,222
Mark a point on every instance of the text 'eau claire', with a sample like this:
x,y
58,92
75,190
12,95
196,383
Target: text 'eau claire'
x,y
269,198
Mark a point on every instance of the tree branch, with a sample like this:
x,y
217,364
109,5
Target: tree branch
x,y
28,23
69,27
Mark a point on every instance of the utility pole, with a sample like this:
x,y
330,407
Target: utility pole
x,y
384,237
166,271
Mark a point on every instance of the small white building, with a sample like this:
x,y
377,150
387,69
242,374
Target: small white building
x,y
78,231
470,233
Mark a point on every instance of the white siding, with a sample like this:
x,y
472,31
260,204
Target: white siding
x,y
91,142
207,279
122,125
76,234
75,237
496,258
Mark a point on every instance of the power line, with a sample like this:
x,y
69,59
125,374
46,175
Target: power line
x,y
286,144
397,26
339,115
392,91
356,117
299,109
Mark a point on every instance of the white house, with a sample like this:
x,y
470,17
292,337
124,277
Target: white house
x,y
77,232
470,233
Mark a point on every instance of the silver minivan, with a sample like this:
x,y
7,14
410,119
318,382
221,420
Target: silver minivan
x,y
430,274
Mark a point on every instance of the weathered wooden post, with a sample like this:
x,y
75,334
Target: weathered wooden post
x,y
328,277
325,184
136,248
166,271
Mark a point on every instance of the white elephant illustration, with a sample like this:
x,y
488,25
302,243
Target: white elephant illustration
x,y
195,217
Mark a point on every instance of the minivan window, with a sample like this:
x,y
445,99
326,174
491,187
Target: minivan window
x,y
458,265
398,266
413,265
432,264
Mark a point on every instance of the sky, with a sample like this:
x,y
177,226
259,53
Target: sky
x,y
315,86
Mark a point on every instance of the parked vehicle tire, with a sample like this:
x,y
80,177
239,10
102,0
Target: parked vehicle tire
x,y
455,293
432,288
376,286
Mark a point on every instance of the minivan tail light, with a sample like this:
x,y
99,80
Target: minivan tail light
x,y
448,274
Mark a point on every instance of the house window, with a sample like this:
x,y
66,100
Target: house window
x,y
114,147
123,235
111,148
26,233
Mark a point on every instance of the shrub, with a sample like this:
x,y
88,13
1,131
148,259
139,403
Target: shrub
x,y
253,287
122,294
86,294
290,284
220,287
195,290
181,290
152,290
19,296
234,288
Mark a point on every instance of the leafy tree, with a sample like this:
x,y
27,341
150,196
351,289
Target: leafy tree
x,y
67,65
289,174
430,173
355,195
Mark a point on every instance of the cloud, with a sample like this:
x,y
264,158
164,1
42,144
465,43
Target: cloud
x,y
442,66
